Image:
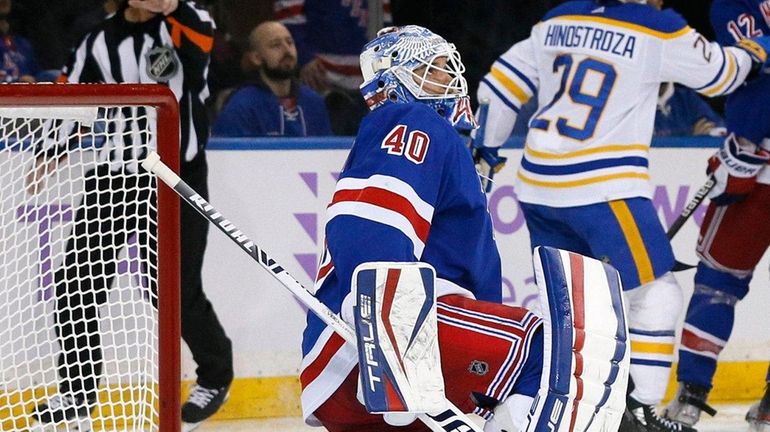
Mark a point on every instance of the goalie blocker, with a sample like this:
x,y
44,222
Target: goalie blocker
x,y
572,375
396,329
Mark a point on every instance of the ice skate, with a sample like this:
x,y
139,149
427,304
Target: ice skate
x,y
687,405
62,412
640,417
202,403
759,414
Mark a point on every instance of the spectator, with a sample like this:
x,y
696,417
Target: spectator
x,y
178,37
682,112
329,35
272,102
225,73
56,19
18,58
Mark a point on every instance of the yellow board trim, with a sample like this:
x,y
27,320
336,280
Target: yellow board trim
x,y
735,382
634,240
652,348
588,151
627,25
508,83
582,182
16,405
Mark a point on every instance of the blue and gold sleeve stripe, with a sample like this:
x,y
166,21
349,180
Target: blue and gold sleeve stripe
x,y
509,84
725,78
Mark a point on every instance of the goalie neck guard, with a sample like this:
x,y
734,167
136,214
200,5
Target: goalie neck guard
x,y
413,64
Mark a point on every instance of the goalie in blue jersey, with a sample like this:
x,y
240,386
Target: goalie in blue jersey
x,y
412,263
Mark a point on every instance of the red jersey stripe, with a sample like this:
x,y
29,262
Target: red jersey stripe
x,y
389,201
314,369
387,304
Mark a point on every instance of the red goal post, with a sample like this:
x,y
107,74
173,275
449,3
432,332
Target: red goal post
x,y
31,259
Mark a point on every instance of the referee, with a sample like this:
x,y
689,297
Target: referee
x,y
146,41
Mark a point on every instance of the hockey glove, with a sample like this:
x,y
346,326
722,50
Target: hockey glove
x,y
488,163
735,167
757,48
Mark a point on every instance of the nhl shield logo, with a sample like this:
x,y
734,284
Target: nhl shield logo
x,y
162,64
478,367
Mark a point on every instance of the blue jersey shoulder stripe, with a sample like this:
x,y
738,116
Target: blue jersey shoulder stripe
x,y
666,21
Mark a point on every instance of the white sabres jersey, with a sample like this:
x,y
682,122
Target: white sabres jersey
x,y
596,67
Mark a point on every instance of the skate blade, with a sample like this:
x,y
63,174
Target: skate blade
x,y
187,427
756,425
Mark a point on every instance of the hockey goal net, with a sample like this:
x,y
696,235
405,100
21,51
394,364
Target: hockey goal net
x,y
89,267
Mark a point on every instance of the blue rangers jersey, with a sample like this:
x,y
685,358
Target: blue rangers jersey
x,y
408,192
747,112
596,67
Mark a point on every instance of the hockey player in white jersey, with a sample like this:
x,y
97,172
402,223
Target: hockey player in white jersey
x,y
583,184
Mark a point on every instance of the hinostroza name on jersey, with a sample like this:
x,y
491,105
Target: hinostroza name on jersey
x,y
581,36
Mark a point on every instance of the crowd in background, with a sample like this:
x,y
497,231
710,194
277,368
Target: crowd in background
x,y
324,58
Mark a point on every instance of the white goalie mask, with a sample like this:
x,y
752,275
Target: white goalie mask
x,y
398,65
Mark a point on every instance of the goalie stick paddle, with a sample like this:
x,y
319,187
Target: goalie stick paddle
x,y
450,420
689,209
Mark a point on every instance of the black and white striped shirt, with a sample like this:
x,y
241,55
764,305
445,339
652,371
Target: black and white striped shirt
x,y
172,50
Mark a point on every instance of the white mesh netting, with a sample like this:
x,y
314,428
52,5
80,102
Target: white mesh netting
x,y
78,270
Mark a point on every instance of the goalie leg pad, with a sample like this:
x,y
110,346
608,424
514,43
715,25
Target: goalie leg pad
x,y
397,335
586,353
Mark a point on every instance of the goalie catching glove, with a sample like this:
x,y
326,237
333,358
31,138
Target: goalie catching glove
x,y
735,168
487,160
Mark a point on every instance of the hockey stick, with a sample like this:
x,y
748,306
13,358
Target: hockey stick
x,y
686,213
450,420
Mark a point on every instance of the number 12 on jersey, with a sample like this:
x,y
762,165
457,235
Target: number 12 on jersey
x,y
574,86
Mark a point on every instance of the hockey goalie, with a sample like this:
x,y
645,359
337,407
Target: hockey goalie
x,y
411,263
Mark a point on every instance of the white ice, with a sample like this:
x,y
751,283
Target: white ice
x,y
730,418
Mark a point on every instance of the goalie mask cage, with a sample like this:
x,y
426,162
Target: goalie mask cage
x,y
89,140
